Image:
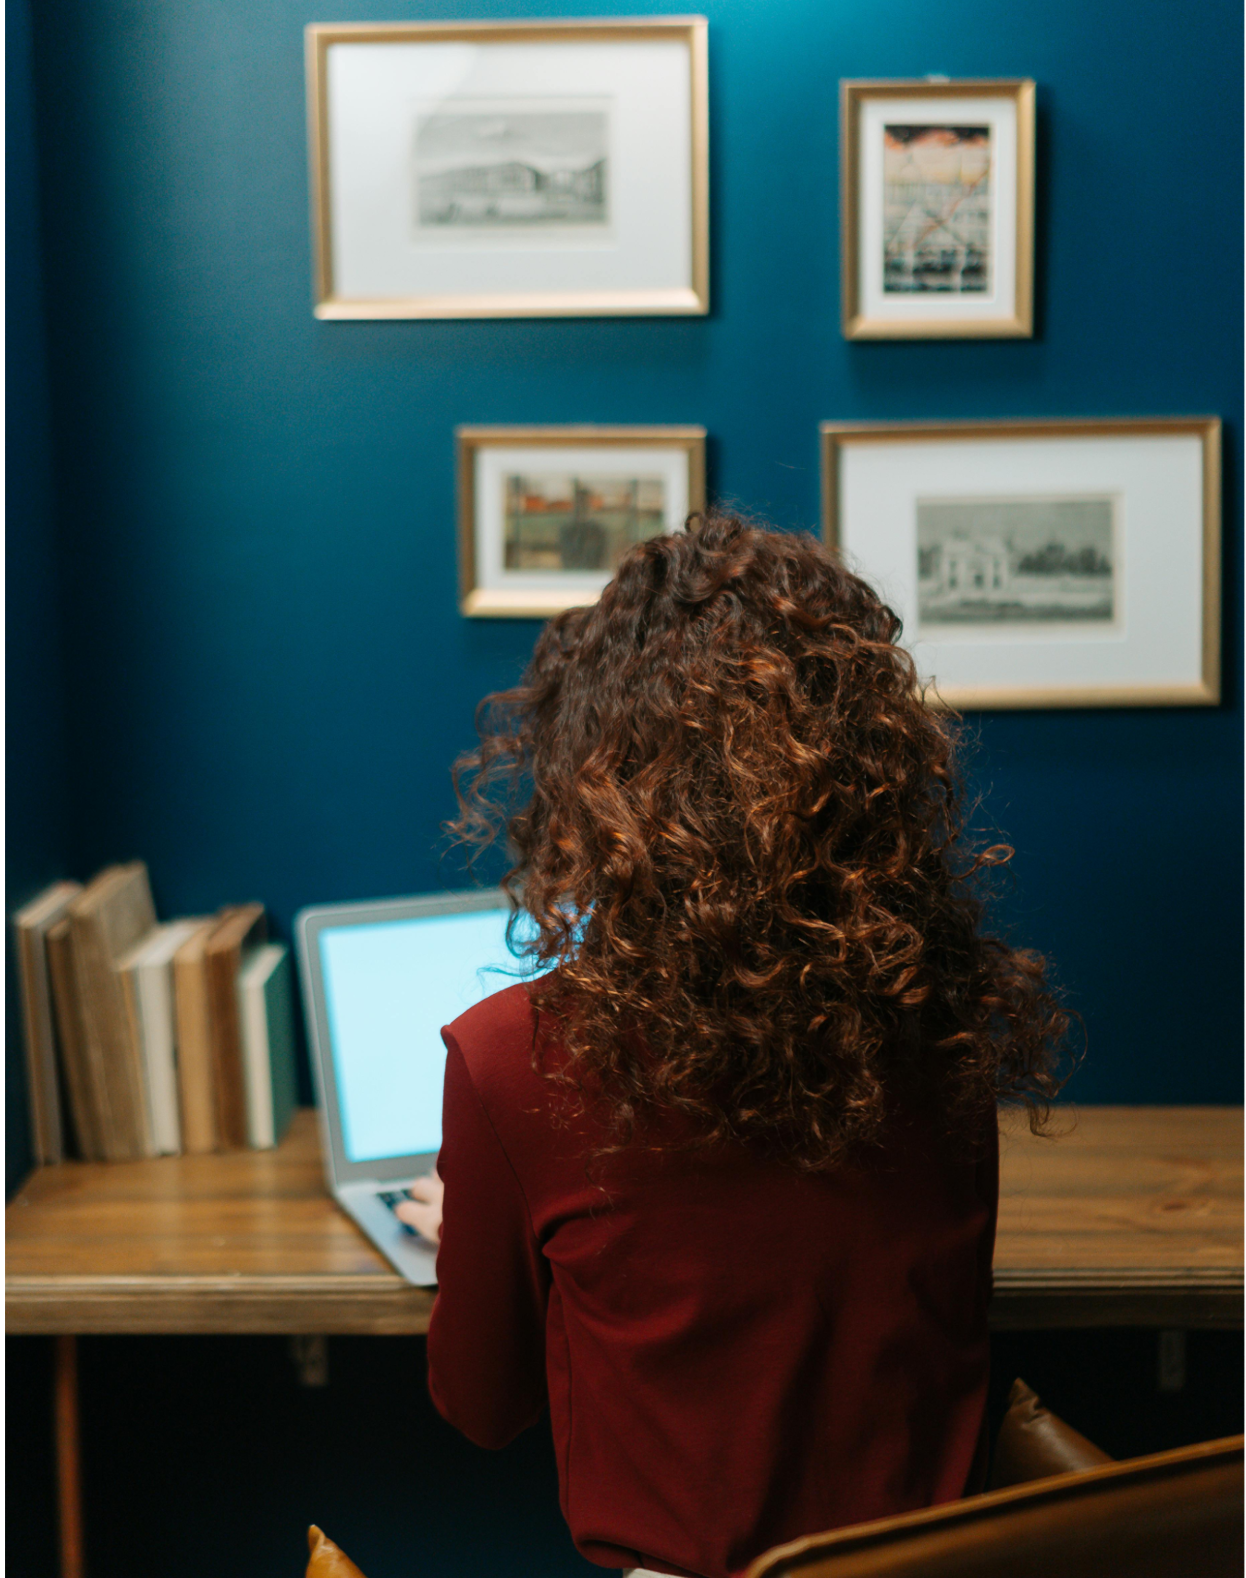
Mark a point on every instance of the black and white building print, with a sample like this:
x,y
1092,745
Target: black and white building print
x,y
507,164
1010,562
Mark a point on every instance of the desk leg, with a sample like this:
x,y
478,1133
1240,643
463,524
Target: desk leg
x,y
68,1461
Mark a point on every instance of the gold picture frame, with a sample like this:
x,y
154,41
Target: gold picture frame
x,y
981,282
896,496
500,522
337,292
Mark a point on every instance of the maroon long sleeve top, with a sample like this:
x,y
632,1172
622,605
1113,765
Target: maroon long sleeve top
x,y
733,1354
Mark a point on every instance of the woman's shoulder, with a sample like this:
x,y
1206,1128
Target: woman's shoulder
x,y
496,1039
502,1013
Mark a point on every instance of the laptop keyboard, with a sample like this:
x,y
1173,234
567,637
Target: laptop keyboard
x,y
392,1198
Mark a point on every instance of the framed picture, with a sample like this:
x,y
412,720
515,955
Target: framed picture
x,y
937,194
509,169
546,512
1040,564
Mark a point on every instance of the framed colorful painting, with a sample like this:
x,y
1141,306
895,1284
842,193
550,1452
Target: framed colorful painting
x,y
1042,563
545,513
937,195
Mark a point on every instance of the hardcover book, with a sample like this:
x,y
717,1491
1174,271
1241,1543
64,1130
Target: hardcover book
x,y
31,925
147,980
240,929
266,1019
84,1100
106,919
196,1073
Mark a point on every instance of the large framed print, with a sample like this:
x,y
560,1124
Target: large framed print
x,y
937,209
509,169
1043,563
545,513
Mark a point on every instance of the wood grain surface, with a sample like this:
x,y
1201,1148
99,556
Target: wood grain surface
x,y
245,1241
1126,1216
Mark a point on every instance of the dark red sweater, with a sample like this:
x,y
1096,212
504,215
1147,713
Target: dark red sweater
x,y
733,1354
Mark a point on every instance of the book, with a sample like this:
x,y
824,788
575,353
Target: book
x,y
240,929
105,920
266,1022
31,925
83,1099
195,1076
147,981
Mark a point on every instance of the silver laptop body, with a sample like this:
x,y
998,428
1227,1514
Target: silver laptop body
x,y
338,945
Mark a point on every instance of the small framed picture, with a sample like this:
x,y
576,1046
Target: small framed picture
x,y
1040,564
509,169
545,513
937,194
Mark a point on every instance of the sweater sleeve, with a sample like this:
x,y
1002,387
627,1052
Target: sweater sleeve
x,y
486,1339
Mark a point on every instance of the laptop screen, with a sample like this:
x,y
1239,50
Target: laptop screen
x,y
389,988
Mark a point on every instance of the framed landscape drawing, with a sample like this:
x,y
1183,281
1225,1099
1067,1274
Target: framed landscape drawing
x,y
1040,564
937,221
509,169
546,512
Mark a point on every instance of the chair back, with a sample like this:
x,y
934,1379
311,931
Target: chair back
x,y
1164,1516
1034,1443
327,1561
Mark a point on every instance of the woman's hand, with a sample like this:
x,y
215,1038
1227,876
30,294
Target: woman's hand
x,y
423,1210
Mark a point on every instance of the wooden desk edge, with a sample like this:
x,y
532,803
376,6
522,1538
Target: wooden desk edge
x,y
383,1306
1211,1306
332,1305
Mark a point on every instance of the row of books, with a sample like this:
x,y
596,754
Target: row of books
x,y
146,1038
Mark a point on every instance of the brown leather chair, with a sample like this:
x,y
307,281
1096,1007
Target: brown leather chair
x,y
327,1561
1173,1515
1034,1443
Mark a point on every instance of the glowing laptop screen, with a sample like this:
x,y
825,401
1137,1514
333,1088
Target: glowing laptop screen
x,y
389,988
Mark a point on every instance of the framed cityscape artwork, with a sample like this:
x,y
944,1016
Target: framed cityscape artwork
x,y
1040,564
509,169
937,222
546,512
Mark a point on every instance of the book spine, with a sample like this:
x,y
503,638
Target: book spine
x,y
128,1067
134,1018
104,1028
256,1064
133,1067
194,1055
37,1029
155,991
231,1106
84,1097
280,1005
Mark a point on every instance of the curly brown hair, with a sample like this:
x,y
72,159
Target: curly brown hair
x,y
741,843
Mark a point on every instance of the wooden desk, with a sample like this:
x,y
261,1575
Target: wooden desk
x,y
1133,1216
1125,1216
248,1241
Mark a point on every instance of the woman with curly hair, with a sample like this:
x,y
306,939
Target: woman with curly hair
x,y
720,1184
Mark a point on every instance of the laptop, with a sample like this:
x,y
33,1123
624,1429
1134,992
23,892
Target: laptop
x,y
379,982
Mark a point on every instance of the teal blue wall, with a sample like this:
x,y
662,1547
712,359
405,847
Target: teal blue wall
x,y
250,579
268,674
37,849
